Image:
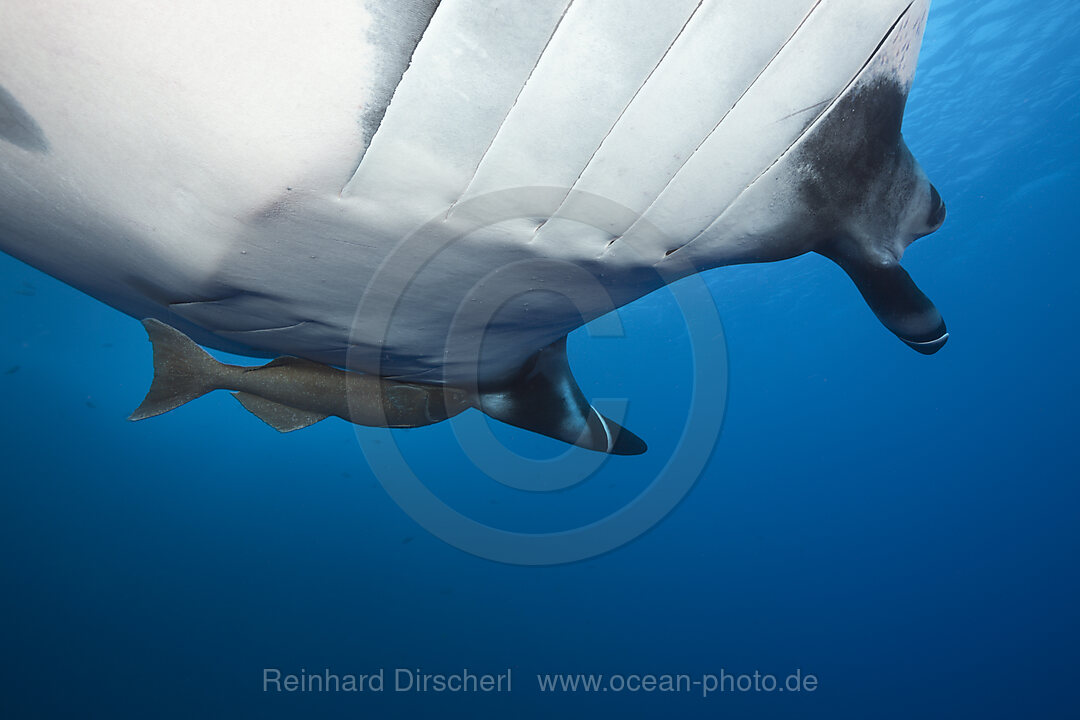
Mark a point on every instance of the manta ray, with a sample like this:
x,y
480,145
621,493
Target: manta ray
x,y
411,203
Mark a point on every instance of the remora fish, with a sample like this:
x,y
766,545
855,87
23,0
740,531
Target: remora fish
x,y
292,393
435,194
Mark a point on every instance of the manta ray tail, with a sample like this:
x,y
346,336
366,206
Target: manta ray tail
x,y
545,399
183,371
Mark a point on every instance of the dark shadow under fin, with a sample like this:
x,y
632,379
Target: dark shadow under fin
x,y
183,371
18,127
280,417
546,399
898,303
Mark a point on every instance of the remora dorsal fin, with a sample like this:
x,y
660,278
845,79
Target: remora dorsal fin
x,y
280,417
546,399
183,371
289,361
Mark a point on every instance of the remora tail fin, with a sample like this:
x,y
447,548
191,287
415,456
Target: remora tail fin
x,y
546,399
183,371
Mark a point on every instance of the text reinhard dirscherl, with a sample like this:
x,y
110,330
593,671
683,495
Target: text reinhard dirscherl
x,y
409,680
397,680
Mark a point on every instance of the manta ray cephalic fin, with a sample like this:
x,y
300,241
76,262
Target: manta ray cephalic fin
x,y
545,398
280,417
897,301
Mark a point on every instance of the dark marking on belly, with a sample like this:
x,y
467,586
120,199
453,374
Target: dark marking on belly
x,y
18,127
854,160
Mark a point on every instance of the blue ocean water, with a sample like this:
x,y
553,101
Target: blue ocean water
x,y
902,528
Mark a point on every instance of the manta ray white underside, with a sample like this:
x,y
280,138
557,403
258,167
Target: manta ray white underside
x,y
247,171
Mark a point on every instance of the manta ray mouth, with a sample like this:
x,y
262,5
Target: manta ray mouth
x,y
937,211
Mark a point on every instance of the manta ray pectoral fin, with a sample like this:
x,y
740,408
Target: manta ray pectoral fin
x,y
897,301
280,417
545,399
183,371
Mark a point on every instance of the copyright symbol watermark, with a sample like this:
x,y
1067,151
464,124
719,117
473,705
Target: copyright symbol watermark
x,y
500,290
